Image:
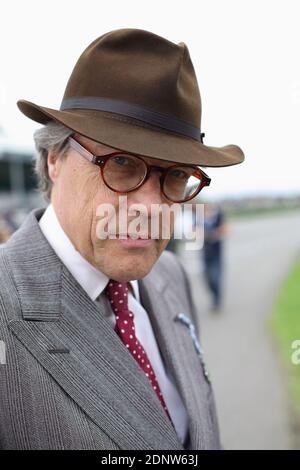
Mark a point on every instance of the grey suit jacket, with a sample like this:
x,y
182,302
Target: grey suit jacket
x,y
69,382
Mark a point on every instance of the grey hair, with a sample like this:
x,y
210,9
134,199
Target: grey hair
x,y
51,137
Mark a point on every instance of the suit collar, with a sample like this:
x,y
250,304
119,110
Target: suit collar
x,y
179,354
35,266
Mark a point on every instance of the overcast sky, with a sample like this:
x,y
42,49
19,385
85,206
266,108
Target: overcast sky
x,y
245,53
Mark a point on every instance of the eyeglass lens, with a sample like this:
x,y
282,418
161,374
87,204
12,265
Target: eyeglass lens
x,y
124,173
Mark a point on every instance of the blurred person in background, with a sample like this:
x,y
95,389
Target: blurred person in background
x,y
215,231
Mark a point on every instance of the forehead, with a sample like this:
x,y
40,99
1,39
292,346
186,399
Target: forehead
x,y
101,149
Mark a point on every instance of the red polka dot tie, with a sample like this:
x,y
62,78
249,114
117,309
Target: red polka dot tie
x,y
117,293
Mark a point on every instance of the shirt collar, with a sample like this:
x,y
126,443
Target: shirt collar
x,y
91,279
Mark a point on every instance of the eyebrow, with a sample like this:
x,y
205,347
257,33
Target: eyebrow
x,y
109,150
112,150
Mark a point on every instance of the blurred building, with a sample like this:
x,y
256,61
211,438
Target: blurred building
x,y
18,182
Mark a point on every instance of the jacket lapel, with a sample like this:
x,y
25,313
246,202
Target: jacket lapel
x,y
71,337
180,355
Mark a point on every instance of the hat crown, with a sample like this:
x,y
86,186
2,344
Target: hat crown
x,y
137,92
141,68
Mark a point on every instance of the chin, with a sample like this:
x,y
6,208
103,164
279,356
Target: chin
x,y
123,264
130,267
132,272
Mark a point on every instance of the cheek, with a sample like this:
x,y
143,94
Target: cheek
x,y
79,192
73,180
102,199
86,188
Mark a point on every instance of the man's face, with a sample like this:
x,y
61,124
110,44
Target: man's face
x,y
78,190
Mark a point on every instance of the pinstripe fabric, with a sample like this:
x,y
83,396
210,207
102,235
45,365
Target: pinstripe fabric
x,y
94,396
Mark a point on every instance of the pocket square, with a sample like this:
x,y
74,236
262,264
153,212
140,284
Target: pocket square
x,y
185,320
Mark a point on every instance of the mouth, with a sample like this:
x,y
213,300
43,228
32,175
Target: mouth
x,y
134,240
132,236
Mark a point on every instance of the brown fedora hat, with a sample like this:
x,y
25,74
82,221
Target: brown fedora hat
x,y
137,92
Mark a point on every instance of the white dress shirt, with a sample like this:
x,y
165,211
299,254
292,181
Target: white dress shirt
x,y
94,282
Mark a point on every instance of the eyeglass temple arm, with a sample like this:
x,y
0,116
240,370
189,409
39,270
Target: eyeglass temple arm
x,y
85,153
201,172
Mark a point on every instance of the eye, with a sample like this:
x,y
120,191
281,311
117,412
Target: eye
x,y
179,173
121,160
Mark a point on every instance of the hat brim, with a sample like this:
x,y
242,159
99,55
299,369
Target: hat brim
x,y
134,136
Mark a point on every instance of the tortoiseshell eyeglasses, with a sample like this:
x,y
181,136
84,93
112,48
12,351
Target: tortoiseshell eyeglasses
x,y
124,172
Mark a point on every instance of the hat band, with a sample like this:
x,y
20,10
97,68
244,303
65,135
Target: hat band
x,y
134,111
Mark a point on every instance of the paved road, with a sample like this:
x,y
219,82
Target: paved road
x,y
249,382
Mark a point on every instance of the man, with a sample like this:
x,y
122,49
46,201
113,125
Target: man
x,y
101,350
215,230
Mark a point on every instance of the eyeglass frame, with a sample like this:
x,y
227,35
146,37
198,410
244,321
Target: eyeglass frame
x,y
102,159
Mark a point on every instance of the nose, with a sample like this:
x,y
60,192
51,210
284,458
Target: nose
x,y
150,191
149,197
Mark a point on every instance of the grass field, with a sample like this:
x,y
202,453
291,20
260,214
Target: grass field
x,y
244,213
285,322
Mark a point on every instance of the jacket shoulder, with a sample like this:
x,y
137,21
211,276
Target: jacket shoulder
x,y
9,304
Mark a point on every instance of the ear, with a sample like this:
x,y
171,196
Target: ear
x,y
54,165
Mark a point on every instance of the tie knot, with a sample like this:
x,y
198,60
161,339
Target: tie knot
x,y
117,293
